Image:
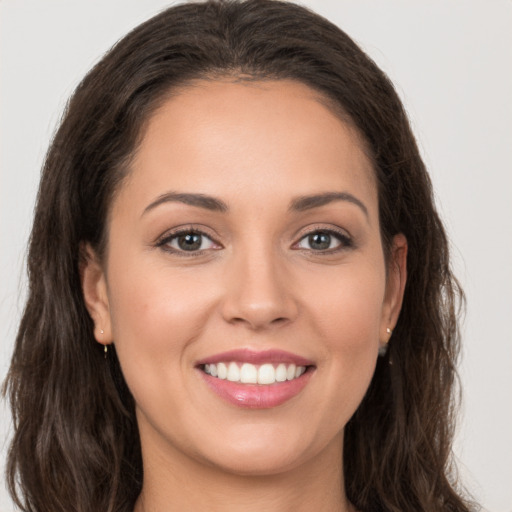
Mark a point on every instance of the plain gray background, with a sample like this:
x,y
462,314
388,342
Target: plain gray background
x,y
451,62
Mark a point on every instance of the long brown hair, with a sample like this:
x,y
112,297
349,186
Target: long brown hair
x,y
76,444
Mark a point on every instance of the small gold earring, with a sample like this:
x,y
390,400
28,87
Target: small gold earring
x,y
102,331
384,348
105,350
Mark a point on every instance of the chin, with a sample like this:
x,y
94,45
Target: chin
x,y
256,451
258,462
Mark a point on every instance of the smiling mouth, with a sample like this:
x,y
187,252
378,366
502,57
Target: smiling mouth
x,y
247,373
256,379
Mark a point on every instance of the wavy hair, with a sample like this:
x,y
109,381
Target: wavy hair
x,y
76,445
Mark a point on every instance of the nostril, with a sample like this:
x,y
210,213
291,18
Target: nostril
x,y
258,323
258,308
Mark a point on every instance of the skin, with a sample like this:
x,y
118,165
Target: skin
x,y
259,284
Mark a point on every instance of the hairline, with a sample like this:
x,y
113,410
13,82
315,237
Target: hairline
x,y
234,76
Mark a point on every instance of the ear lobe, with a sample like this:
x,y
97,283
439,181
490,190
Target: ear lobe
x,y
94,289
395,286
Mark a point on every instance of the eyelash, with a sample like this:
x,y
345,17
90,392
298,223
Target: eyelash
x,y
345,241
165,240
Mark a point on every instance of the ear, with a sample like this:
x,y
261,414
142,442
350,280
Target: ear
x,y
395,287
94,288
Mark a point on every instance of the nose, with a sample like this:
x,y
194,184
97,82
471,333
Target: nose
x,y
259,292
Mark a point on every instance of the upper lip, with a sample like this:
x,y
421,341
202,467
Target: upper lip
x,y
247,355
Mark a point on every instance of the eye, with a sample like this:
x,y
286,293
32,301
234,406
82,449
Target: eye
x,y
187,241
323,240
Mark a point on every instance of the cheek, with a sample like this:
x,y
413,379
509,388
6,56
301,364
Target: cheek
x,y
346,320
348,311
155,318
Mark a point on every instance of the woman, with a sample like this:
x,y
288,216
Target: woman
x,y
240,293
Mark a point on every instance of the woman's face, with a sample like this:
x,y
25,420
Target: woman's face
x,y
245,286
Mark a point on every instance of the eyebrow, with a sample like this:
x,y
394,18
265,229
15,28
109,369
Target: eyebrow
x,y
298,204
303,203
201,200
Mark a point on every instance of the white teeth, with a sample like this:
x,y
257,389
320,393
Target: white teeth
x,y
266,374
233,373
281,373
248,374
222,370
251,374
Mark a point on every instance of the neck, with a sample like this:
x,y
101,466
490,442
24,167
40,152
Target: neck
x,y
182,483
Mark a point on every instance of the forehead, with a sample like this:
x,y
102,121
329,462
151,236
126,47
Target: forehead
x,y
226,137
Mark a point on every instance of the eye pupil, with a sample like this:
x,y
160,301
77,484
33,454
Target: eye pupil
x,y
319,241
189,242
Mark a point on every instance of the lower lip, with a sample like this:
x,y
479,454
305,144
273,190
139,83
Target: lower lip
x,y
257,396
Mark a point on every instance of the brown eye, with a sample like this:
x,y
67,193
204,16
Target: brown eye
x,y
324,240
319,241
188,241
